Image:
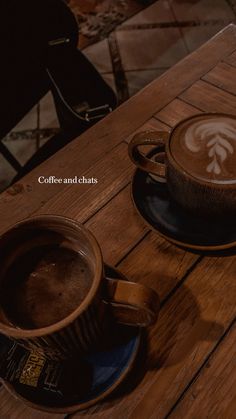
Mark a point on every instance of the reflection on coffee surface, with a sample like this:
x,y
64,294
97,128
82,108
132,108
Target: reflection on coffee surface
x,y
206,148
45,285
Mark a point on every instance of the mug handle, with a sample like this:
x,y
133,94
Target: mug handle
x,y
157,138
132,304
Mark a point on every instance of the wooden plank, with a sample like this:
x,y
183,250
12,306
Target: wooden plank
x,y
168,267
10,408
117,227
189,327
209,98
28,196
80,202
222,76
151,125
231,59
213,394
175,112
113,172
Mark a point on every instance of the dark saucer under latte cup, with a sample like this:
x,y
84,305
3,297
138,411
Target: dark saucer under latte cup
x,y
156,206
198,163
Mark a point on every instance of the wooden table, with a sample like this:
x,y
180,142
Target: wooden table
x,y
189,370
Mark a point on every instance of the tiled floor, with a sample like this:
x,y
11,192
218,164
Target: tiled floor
x,y
138,51
97,18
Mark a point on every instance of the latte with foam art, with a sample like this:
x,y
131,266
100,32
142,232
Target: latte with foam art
x,y
206,148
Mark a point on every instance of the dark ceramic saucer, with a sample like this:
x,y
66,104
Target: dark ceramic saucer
x,y
106,368
155,205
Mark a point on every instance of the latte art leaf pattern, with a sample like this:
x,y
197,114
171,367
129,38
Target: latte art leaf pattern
x,y
217,137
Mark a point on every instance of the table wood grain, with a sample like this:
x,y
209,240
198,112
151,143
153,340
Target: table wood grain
x,y
188,369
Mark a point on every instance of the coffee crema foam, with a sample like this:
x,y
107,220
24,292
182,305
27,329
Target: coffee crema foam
x,y
45,285
206,148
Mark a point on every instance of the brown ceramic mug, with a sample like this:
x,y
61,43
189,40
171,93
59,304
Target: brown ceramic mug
x,y
54,296
198,162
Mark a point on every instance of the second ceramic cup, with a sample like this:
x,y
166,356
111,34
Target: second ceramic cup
x,y
197,160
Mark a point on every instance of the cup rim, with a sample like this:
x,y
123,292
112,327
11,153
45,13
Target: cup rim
x,y
180,168
20,333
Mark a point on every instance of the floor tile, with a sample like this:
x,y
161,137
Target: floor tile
x,y
198,35
28,122
7,173
48,116
98,18
22,149
160,11
109,78
44,140
201,10
137,80
99,55
150,48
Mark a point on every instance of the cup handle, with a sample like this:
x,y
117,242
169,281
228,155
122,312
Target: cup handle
x,y
157,138
132,304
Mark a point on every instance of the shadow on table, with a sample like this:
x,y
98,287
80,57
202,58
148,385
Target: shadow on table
x,y
212,253
178,331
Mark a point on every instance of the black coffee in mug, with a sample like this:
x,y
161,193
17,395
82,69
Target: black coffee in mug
x,y
45,285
